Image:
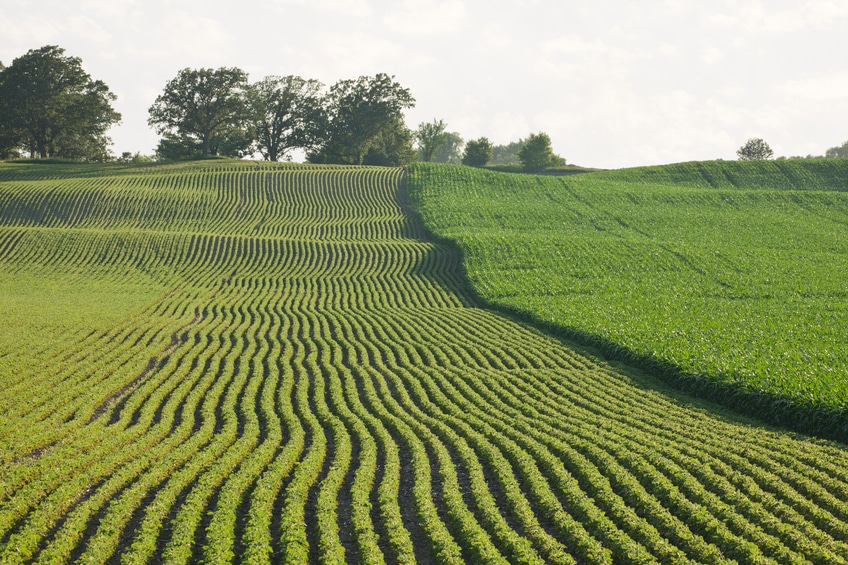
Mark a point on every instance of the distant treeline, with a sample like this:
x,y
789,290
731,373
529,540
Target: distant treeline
x,y
51,108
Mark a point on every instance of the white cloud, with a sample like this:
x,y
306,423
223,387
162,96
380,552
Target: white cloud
x,y
668,50
825,88
193,37
88,28
507,126
29,31
762,17
497,36
711,54
417,18
334,56
577,58
355,8
105,9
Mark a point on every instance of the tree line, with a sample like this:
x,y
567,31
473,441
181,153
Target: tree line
x,y
756,149
50,107
205,112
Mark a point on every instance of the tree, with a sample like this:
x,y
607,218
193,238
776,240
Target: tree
x,y
837,152
392,147
507,154
477,153
52,107
536,153
755,149
451,150
10,139
285,114
430,137
205,109
355,113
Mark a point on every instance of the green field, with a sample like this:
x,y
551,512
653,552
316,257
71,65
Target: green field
x,y
727,276
260,363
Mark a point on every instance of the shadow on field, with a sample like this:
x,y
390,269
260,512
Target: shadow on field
x,y
732,402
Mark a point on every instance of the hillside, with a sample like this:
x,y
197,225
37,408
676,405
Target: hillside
x,y
230,362
726,276
791,174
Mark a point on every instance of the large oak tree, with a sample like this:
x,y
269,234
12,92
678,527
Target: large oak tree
x,y
53,108
359,115
285,114
203,110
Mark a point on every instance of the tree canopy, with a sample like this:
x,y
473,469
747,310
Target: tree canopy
x,y
477,153
285,114
536,153
52,108
205,110
837,152
755,149
450,151
356,113
507,154
430,136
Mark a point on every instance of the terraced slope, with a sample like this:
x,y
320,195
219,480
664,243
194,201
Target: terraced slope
x,y
273,365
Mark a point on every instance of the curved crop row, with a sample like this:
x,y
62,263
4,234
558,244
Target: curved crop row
x,y
324,390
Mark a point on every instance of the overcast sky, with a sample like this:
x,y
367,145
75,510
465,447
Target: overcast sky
x,y
614,83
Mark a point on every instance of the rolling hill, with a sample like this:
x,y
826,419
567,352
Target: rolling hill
x,y
241,362
726,277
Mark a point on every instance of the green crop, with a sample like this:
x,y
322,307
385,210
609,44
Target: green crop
x,y
730,277
234,362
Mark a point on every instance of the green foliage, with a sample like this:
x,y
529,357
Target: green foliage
x,y
173,147
205,111
451,150
536,153
52,108
129,157
228,361
506,154
430,137
755,149
392,146
731,274
477,152
359,116
840,151
285,114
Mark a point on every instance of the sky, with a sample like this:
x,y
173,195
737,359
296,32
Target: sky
x,y
613,83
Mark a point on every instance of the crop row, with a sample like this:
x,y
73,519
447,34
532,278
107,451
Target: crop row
x,y
280,399
734,290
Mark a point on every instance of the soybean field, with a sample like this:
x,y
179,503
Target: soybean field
x,y
235,362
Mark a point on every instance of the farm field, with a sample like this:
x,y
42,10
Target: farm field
x,y
728,277
260,363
